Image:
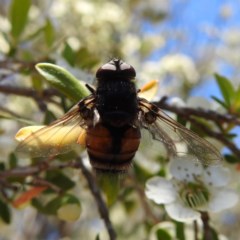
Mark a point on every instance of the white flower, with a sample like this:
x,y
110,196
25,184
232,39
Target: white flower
x,y
192,189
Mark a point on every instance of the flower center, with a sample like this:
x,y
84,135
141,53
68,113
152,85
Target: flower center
x,y
194,195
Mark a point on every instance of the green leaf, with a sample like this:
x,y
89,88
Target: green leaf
x,y
56,203
2,166
49,117
236,100
162,234
12,160
49,33
231,158
5,212
37,82
85,59
226,88
18,16
97,237
180,230
38,205
109,184
214,235
21,120
59,179
220,102
64,81
129,205
69,54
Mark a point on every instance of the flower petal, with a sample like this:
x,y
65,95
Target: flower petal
x,y
216,176
160,190
25,132
185,168
149,90
222,198
181,213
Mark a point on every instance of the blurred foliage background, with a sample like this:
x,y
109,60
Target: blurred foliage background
x,y
161,41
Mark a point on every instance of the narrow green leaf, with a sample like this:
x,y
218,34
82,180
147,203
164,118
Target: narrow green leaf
x,y
36,82
49,33
12,160
5,214
162,234
231,158
220,102
236,100
97,237
59,179
56,203
214,234
38,205
21,120
49,117
64,81
129,205
69,54
226,88
109,183
18,16
180,230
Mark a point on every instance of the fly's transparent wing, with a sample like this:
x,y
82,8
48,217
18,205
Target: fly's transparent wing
x,y
177,139
56,138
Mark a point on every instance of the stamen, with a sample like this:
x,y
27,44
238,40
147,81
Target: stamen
x,y
194,195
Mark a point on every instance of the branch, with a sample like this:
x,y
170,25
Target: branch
x,y
103,210
43,166
199,112
38,96
207,231
219,136
190,113
27,92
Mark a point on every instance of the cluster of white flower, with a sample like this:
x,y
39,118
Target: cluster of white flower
x,y
192,189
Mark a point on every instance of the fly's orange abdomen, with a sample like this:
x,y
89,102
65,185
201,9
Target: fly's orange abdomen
x,y
112,148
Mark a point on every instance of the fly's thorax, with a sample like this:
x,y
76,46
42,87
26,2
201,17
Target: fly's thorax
x,y
116,101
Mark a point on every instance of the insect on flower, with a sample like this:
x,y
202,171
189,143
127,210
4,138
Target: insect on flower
x,y
108,123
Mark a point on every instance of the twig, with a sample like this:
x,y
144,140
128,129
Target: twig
x,y
103,210
43,166
218,136
207,232
199,112
190,113
27,92
195,227
37,181
32,170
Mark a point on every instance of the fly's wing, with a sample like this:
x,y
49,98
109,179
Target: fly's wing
x,y
177,139
56,138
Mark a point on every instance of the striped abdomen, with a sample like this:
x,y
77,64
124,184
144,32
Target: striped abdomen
x,y
112,148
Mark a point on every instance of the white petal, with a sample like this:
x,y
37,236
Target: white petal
x,y
160,190
185,168
216,176
222,198
181,213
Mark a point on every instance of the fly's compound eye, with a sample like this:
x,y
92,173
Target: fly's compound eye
x,y
116,69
